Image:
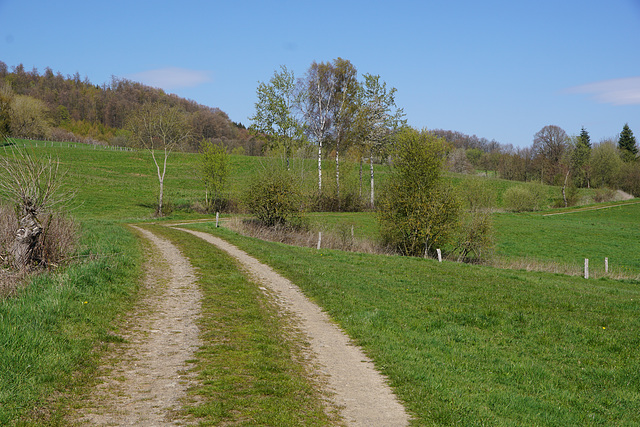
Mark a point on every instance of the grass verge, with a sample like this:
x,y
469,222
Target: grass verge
x,y
251,370
475,345
51,329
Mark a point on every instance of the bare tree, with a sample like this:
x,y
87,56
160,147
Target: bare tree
x,y
33,186
162,128
549,146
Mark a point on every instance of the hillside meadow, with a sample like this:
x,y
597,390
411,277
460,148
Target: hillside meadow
x,y
460,344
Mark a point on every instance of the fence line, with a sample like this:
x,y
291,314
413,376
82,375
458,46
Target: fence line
x,y
37,143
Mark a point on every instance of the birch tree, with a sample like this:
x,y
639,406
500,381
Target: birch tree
x,y
275,112
317,104
344,110
159,128
378,117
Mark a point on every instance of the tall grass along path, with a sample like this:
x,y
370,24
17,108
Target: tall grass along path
x,y
358,389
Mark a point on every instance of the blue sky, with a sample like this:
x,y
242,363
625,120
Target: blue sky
x,y
498,69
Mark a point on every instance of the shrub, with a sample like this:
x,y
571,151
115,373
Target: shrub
x,y
475,237
604,195
477,195
417,211
273,197
630,178
524,198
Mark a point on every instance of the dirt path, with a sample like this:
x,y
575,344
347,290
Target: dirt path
x,y
148,381
594,208
359,390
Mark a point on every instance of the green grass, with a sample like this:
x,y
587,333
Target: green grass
x,y
572,237
476,345
49,331
250,372
461,344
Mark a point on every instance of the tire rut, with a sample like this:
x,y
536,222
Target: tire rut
x,y
148,383
358,390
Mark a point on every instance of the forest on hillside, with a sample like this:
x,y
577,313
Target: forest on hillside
x,y
49,105
72,108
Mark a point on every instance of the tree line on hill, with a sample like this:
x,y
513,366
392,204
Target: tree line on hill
x,y
332,111
53,106
556,158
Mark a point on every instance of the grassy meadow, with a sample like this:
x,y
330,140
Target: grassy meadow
x,y
473,345
461,344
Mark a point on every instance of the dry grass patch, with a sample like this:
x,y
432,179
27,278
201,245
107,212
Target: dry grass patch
x,y
340,238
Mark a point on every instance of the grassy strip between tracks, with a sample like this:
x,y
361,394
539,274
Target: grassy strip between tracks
x,y
251,366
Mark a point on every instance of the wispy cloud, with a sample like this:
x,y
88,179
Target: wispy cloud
x,y
617,91
172,78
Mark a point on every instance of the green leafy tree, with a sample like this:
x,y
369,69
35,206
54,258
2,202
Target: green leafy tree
x,y
273,197
275,112
580,157
6,96
605,164
418,211
378,118
28,117
214,167
627,144
344,110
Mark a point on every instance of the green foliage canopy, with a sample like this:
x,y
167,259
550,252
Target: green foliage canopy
x,y
214,167
418,211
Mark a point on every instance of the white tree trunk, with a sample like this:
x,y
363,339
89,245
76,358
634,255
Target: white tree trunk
x,y
361,177
371,169
320,166
338,176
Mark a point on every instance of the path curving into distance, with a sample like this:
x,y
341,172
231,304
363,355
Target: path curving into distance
x,y
361,392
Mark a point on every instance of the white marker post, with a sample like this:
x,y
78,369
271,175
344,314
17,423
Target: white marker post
x,y
319,239
606,264
439,255
217,217
586,268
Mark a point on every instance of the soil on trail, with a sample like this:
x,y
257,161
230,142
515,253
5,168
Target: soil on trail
x,y
147,381
358,390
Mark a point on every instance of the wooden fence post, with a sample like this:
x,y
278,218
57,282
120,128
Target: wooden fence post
x,y
319,239
439,255
586,268
217,217
606,264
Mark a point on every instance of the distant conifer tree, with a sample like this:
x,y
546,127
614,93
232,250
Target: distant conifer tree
x,y
627,144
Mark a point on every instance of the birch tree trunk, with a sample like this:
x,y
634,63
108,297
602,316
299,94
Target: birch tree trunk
x,y
338,175
371,169
361,160
320,166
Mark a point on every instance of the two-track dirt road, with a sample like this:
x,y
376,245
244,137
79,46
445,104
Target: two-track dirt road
x,y
147,383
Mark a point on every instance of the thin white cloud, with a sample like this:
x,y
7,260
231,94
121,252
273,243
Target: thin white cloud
x,y
617,91
172,78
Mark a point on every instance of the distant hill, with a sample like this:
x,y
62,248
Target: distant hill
x,y
99,112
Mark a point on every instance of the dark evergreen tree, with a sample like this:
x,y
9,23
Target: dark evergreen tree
x,y
580,159
584,139
627,144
